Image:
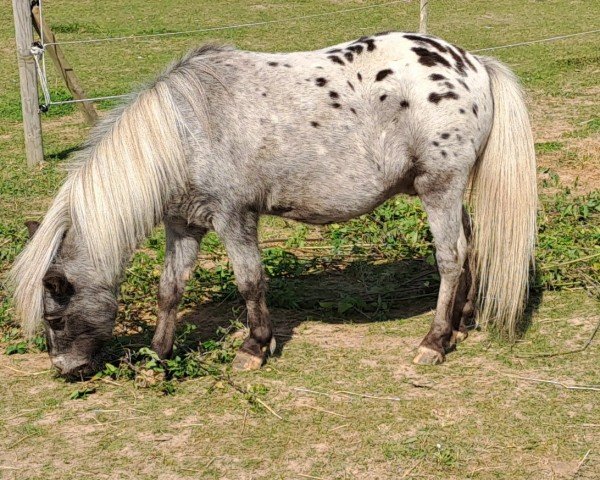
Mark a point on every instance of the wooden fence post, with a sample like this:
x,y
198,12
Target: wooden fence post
x,y
63,67
423,16
32,124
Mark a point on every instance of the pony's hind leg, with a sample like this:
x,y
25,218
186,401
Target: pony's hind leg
x,y
443,205
238,231
180,257
464,303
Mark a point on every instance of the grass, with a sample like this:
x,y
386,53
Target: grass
x,y
349,301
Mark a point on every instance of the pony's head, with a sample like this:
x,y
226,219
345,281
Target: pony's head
x,y
79,309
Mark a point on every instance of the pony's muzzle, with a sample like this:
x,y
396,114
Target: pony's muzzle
x,y
69,367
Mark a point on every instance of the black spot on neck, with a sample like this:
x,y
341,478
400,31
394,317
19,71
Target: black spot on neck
x,y
382,74
272,64
356,49
436,77
462,82
315,124
449,85
443,152
336,105
333,94
445,135
475,109
334,50
461,110
437,97
353,110
350,85
348,56
435,143
404,104
321,82
359,76
382,98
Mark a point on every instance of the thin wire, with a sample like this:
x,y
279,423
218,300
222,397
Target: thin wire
x,y
42,39
532,42
227,27
511,45
93,99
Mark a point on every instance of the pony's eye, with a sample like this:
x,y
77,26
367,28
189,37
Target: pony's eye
x,y
55,322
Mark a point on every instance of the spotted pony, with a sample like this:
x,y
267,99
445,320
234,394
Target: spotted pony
x,y
224,135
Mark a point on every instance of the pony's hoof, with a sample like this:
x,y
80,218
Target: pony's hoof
x,y
245,362
458,336
428,356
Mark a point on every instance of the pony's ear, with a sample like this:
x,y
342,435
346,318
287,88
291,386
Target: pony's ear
x,y
56,283
32,227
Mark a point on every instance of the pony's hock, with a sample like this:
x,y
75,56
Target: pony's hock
x,y
225,135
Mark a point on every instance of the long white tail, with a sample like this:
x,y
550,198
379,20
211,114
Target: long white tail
x,y
504,200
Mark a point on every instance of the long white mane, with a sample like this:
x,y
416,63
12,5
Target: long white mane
x,y
117,188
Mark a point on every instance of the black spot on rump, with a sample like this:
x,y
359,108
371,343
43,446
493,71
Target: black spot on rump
x,y
475,109
436,77
437,97
348,56
264,94
359,76
336,105
461,110
430,41
334,50
287,65
449,85
445,135
443,152
321,82
435,144
404,104
460,64
353,110
315,124
369,41
336,59
466,58
429,58
333,94
382,74
382,98
272,64
350,85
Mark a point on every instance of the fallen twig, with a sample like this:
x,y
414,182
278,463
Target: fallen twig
x,y
581,463
26,374
410,470
303,475
565,352
366,395
346,393
560,264
325,411
560,384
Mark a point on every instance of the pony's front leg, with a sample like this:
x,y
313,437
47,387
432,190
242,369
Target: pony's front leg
x,y
444,211
180,257
239,234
